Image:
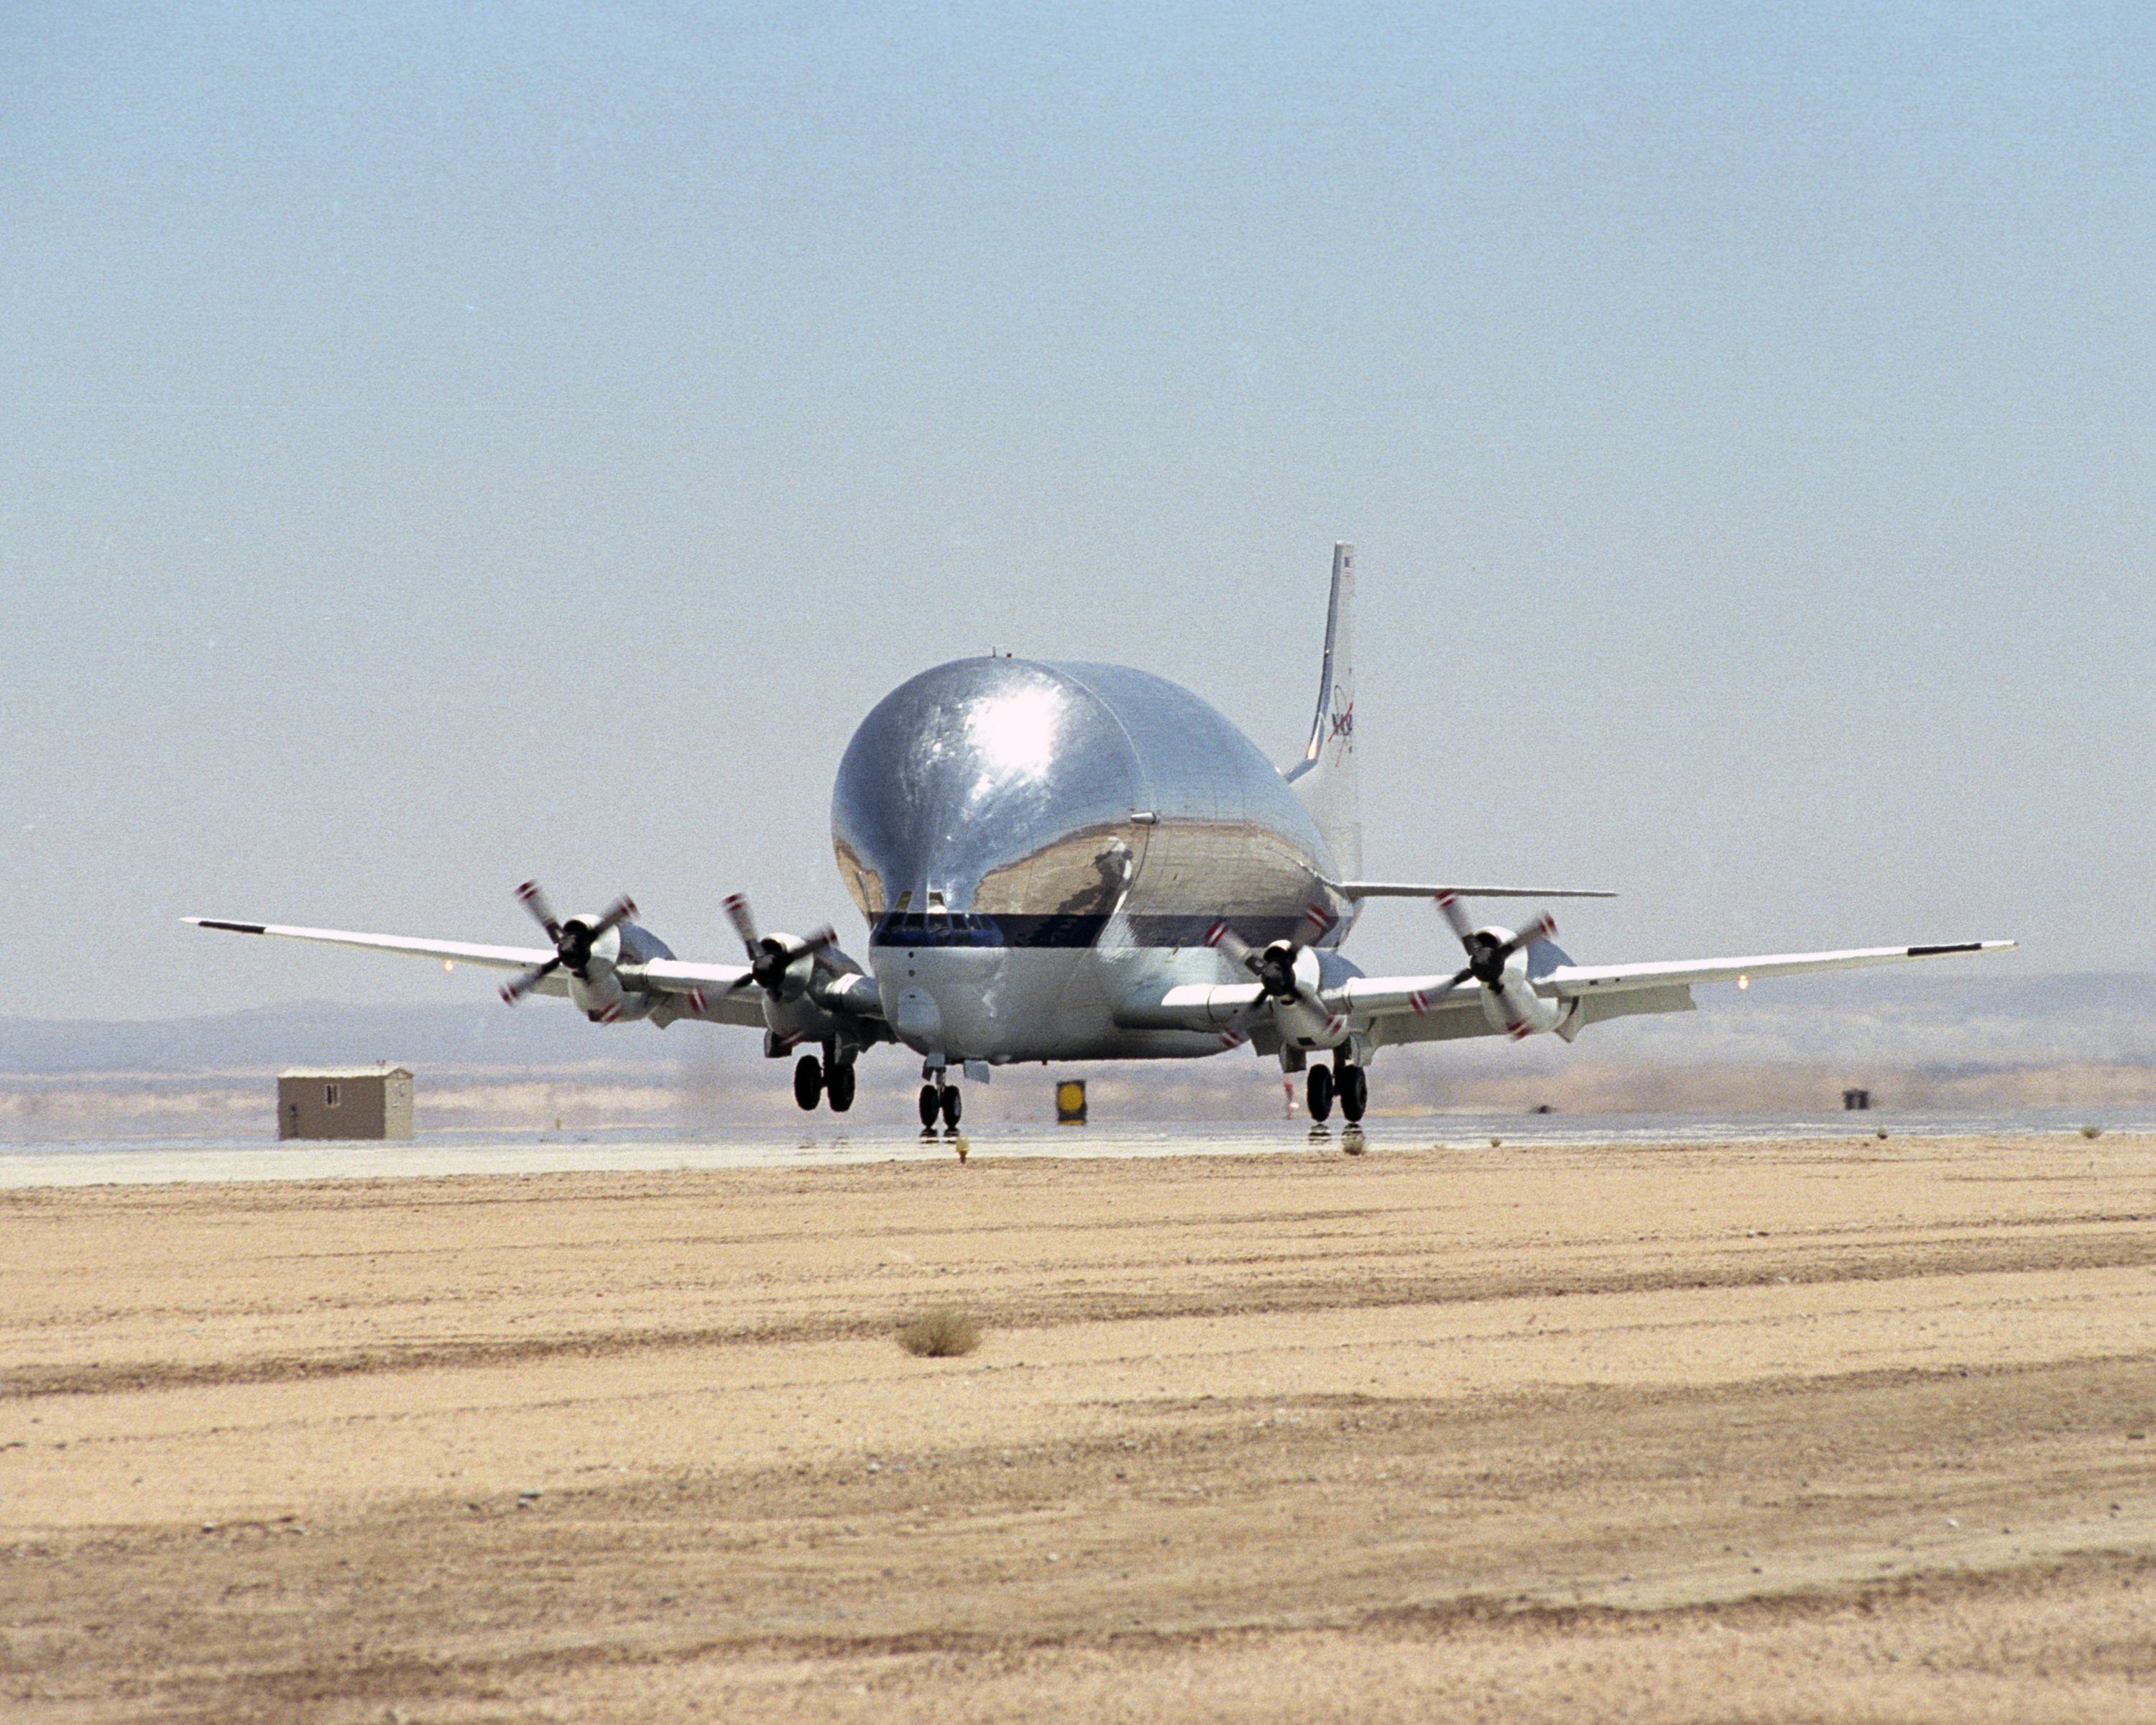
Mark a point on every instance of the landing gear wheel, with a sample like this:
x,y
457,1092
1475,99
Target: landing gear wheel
x,y
952,1108
839,1086
1354,1089
931,1100
808,1081
1317,1092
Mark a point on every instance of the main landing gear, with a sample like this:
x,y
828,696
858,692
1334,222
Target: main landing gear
x,y
940,1099
1341,1079
824,1080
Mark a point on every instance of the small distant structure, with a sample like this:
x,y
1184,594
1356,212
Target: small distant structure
x,y
345,1101
1855,1100
1070,1102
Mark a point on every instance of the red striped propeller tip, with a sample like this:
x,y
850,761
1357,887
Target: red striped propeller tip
x,y
1212,935
528,892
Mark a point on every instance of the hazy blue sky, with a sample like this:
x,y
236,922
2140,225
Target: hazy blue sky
x,y
447,443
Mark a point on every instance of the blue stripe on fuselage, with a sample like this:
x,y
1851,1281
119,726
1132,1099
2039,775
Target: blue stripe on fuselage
x,y
958,928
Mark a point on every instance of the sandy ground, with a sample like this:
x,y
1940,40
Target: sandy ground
x,y
1829,1431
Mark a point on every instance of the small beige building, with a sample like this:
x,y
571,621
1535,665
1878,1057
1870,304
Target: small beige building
x,y
344,1103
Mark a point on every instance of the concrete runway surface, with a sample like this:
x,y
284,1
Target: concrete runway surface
x,y
1819,1430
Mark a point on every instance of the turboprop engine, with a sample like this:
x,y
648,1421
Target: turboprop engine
x,y
1498,961
1287,973
590,948
805,982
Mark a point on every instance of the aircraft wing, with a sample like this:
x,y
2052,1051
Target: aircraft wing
x,y
717,983
1421,1009
1418,1008
457,951
1571,981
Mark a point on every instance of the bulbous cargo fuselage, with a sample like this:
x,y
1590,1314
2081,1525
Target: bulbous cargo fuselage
x,y
1031,843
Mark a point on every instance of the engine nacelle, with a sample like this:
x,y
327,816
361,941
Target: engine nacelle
x,y
598,993
1529,1013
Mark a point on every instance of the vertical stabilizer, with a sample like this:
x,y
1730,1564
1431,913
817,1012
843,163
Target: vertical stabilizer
x,y
1325,777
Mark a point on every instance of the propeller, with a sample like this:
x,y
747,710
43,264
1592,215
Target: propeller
x,y
572,940
1274,967
772,956
1487,955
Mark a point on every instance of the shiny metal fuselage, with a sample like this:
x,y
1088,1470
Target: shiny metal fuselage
x,y
1033,844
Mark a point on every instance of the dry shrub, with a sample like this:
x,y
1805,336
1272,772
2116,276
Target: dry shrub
x,y
939,1333
2092,1131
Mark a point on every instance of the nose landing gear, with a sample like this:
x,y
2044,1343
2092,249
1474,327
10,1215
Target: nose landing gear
x,y
940,1099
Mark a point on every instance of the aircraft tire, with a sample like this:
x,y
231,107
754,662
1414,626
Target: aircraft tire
x,y
839,1086
1354,1088
808,1081
1317,1092
953,1106
931,1100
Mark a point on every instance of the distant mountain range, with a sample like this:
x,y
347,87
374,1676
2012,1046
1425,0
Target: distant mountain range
x,y
477,1036
1944,1020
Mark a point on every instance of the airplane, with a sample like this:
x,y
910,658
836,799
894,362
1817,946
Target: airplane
x,y
1075,861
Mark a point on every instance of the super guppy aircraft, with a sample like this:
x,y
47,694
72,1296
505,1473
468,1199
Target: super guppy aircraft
x,y
1085,862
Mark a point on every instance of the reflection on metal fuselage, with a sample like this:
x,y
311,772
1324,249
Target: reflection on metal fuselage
x,y
1032,843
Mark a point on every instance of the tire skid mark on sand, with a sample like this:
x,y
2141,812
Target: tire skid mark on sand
x,y
1293,1291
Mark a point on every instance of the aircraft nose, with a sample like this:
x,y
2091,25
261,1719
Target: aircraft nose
x,y
986,786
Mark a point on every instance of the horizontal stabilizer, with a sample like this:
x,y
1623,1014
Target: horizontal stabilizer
x,y
1408,889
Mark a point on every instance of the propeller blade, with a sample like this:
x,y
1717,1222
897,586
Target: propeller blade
x,y
517,987
1541,929
1455,913
533,900
737,913
1516,1021
616,913
1237,1030
1317,923
1233,944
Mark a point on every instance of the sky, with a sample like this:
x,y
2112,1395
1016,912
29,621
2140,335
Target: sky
x,y
441,444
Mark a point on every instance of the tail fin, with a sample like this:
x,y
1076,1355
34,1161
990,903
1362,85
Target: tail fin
x,y
1325,777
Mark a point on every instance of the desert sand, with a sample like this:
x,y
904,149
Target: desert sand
x,y
1836,1429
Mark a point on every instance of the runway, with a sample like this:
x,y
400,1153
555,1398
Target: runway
x,y
821,1141
1830,1428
